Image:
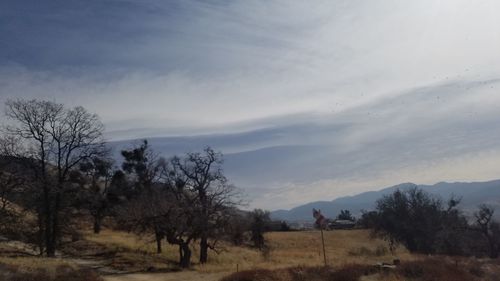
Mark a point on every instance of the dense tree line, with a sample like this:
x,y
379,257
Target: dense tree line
x,y
425,224
345,215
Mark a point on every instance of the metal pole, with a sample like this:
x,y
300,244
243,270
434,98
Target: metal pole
x,y
323,243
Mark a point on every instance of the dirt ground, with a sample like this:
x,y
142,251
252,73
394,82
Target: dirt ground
x,y
173,276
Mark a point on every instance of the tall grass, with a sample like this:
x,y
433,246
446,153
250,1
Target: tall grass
x,y
287,249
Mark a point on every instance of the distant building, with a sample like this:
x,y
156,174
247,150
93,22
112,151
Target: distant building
x,y
331,224
301,225
341,224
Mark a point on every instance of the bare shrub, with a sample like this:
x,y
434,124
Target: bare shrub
x,y
364,251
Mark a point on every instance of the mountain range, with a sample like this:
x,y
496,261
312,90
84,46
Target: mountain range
x,y
471,193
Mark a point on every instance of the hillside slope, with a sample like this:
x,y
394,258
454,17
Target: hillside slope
x,y
473,194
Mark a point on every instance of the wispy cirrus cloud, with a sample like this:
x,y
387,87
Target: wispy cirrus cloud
x,y
356,89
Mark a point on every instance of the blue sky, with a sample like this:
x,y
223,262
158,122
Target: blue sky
x,y
352,95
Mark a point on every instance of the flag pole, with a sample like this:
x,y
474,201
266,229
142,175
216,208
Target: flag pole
x,y
323,243
321,222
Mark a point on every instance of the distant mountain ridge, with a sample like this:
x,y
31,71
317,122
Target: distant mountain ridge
x,y
472,194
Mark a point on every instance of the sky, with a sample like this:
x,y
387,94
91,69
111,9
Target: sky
x,y
308,100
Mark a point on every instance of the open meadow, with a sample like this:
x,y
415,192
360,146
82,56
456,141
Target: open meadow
x,y
122,256
286,249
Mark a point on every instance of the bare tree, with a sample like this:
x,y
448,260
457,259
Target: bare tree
x,y
57,139
11,183
180,228
203,175
489,229
166,208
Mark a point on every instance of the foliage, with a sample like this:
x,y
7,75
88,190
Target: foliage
x,y
368,219
97,194
284,226
259,221
236,230
345,215
423,224
411,217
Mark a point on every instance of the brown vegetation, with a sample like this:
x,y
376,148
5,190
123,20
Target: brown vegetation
x,y
352,255
430,269
43,269
287,249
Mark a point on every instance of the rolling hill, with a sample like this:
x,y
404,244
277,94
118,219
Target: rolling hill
x,y
472,194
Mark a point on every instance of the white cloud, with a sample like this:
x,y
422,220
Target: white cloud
x,y
366,76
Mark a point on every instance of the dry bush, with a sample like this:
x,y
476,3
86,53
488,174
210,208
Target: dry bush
x,y
431,269
434,270
379,251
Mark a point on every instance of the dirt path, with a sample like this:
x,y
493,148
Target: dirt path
x,y
173,276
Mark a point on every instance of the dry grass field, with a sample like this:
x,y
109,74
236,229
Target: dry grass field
x,y
44,269
290,250
351,251
286,249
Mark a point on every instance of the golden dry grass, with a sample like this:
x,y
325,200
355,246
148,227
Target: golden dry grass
x,y
35,263
287,249
304,248
129,252
42,269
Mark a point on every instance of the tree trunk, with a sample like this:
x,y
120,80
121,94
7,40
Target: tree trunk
x,y
493,248
185,257
494,254
41,232
50,249
203,249
55,226
97,223
204,231
159,237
